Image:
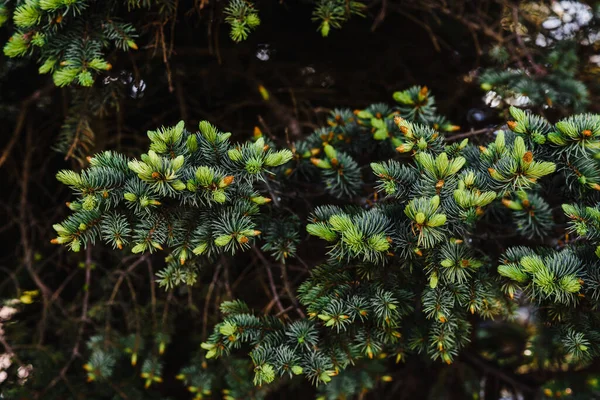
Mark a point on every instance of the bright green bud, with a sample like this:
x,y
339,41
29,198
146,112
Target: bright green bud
x,y
130,197
325,377
325,29
223,240
273,159
89,203
200,249
259,145
64,76
60,229
211,353
205,176
319,163
139,248
513,205
557,138
192,143
379,243
340,222
260,200
47,66
364,114
234,154
253,20
433,280
403,97
177,163
75,245
99,64
178,185
570,284
436,220
381,134
207,346
279,158
227,329
254,165
330,152
219,196
322,231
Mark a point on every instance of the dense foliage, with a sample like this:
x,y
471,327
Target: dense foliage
x,y
403,274
293,236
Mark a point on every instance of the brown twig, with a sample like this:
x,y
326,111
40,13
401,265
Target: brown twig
x,y
83,318
288,289
537,68
21,120
380,17
267,266
482,364
211,287
463,135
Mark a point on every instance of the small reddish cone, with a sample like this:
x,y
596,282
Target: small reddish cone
x,y
155,175
512,124
587,133
228,180
528,157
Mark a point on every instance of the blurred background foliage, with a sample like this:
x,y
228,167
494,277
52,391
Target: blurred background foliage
x,y
192,60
